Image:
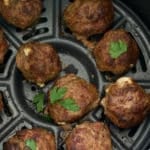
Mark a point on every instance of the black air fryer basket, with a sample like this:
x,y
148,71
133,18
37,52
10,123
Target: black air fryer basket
x,y
18,93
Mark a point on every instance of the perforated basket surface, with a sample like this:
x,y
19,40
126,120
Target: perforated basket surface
x,y
18,93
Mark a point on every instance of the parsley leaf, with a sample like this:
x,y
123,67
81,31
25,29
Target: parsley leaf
x,y
69,104
117,48
31,144
57,94
38,100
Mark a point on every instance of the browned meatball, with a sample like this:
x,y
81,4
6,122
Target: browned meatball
x,y
38,62
79,98
126,104
116,52
88,17
20,13
1,102
89,136
3,46
36,137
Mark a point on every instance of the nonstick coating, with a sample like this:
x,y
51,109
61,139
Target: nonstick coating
x,y
18,93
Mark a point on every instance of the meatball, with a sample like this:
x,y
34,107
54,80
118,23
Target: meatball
x,y
38,62
126,104
3,46
88,17
78,98
20,13
37,138
116,52
89,136
1,102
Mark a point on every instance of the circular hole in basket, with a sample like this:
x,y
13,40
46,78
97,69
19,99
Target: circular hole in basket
x,y
33,88
67,30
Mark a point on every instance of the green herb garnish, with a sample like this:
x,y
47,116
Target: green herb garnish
x,y
56,96
69,104
117,48
38,100
30,143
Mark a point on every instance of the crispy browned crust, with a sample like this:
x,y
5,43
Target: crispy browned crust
x,y
126,104
125,61
1,102
41,64
21,13
89,136
44,140
88,17
85,95
3,46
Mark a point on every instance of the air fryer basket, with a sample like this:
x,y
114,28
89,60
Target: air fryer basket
x,y
18,93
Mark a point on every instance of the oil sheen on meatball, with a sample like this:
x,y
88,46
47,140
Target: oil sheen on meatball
x,y
84,94
38,62
126,103
20,13
89,17
89,136
1,102
41,138
3,46
124,61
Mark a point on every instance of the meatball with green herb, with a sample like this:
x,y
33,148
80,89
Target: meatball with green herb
x,y
38,62
21,13
3,46
70,98
116,52
89,136
126,103
33,139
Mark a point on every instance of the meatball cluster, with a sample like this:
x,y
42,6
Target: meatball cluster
x,y
89,136
126,104
39,62
20,13
82,93
116,52
3,46
36,138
